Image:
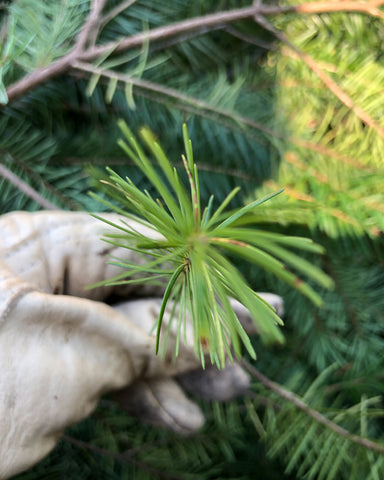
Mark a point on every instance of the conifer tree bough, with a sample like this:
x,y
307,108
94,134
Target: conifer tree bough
x,y
192,241
293,100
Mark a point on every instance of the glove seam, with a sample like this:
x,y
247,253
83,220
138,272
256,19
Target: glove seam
x,y
13,299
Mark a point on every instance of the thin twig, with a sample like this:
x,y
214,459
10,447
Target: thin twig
x,y
115,12
173,29
162,45
36,178
40,76
226,17
200,106
249,39
26,189
88,34
169,92
317,416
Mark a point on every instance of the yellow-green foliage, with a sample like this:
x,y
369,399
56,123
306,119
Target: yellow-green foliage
x,y
333,165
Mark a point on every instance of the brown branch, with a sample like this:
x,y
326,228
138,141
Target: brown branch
x,y
26,189
59,67
40,76
90,28
181,27
226,17
35,177
317,416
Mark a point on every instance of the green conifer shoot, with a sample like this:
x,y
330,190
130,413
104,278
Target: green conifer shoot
x,y
191,248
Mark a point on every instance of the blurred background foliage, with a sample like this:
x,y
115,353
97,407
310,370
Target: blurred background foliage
x,y
289,100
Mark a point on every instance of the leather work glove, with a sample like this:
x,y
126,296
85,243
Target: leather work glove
x,y
62,346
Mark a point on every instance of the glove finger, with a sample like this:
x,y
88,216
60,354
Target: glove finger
x,y
212,384
145,313
161,402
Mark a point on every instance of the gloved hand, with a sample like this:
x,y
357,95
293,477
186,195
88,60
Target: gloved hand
x,y
62,347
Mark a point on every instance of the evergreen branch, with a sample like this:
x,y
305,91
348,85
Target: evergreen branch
x,y
349,308
226,17
173,94
126,456
181,27
200,106
317,416
80,53
196,244
328,81
329,152
26,189
334,212
69,203
339,92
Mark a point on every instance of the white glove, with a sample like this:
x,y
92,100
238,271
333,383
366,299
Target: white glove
x,y
60,351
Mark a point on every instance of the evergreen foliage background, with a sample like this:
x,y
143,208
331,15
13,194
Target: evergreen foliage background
x,y
289,98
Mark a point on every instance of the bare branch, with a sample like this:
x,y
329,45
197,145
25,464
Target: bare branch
x,y
27,189
317,416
